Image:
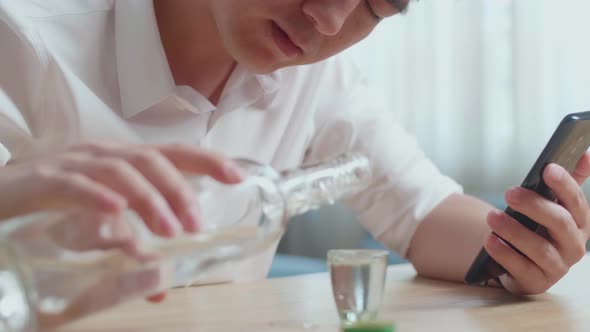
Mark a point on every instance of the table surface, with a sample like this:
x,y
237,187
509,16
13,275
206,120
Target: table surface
x,y
305,303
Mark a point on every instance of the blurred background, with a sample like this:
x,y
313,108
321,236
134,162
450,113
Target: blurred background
x,y
481,83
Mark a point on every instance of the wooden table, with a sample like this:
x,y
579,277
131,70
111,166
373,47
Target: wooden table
x,y
305,303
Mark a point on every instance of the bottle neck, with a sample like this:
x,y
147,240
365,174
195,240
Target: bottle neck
x,y
310,187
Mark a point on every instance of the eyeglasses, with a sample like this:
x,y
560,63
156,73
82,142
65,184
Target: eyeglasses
x,y
401,6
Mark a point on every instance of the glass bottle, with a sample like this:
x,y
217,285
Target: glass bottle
x,y
58,266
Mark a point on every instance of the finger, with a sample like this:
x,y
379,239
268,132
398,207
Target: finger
x,y
568,192
157,298
528,275
94,148
141,195
538,250
582,170
168,181
185,157
200,161
59,189
555,218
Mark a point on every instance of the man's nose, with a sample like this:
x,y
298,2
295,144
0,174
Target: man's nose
x,y
329,16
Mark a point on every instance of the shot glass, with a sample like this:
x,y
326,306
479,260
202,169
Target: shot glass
x,y
358,279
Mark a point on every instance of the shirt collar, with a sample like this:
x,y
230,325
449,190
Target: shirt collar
x,y
144,74
244,88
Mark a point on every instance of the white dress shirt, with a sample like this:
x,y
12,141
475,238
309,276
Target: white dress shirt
x,y
76,70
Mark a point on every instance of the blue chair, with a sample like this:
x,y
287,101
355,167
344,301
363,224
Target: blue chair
x,y
284,265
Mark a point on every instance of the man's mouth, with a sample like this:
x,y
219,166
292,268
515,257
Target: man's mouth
x,y
284,42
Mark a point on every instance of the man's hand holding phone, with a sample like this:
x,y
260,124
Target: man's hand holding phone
x,y
544,230
543,261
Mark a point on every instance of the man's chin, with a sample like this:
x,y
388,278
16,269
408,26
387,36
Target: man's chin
x,y
261,60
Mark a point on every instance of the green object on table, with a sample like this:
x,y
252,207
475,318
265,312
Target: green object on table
x,y
374,326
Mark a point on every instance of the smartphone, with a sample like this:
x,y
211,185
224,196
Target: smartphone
x,y
566,146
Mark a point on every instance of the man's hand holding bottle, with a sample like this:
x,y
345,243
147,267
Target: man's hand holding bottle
x,y
108,179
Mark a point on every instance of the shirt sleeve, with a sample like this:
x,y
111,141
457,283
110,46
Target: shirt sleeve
x,y
21,76
14,135
406,184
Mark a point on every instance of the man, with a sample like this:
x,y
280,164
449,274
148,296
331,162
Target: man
x,y
256,79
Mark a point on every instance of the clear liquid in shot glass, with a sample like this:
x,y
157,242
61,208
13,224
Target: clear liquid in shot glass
x,y
358,279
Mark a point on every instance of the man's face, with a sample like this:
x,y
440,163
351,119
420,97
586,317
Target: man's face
x,y
265,35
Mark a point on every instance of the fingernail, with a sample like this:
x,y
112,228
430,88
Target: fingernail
x,y
164,227
192,218
167,222
554,172
496,213
233,173
513,194
115,204
495,218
